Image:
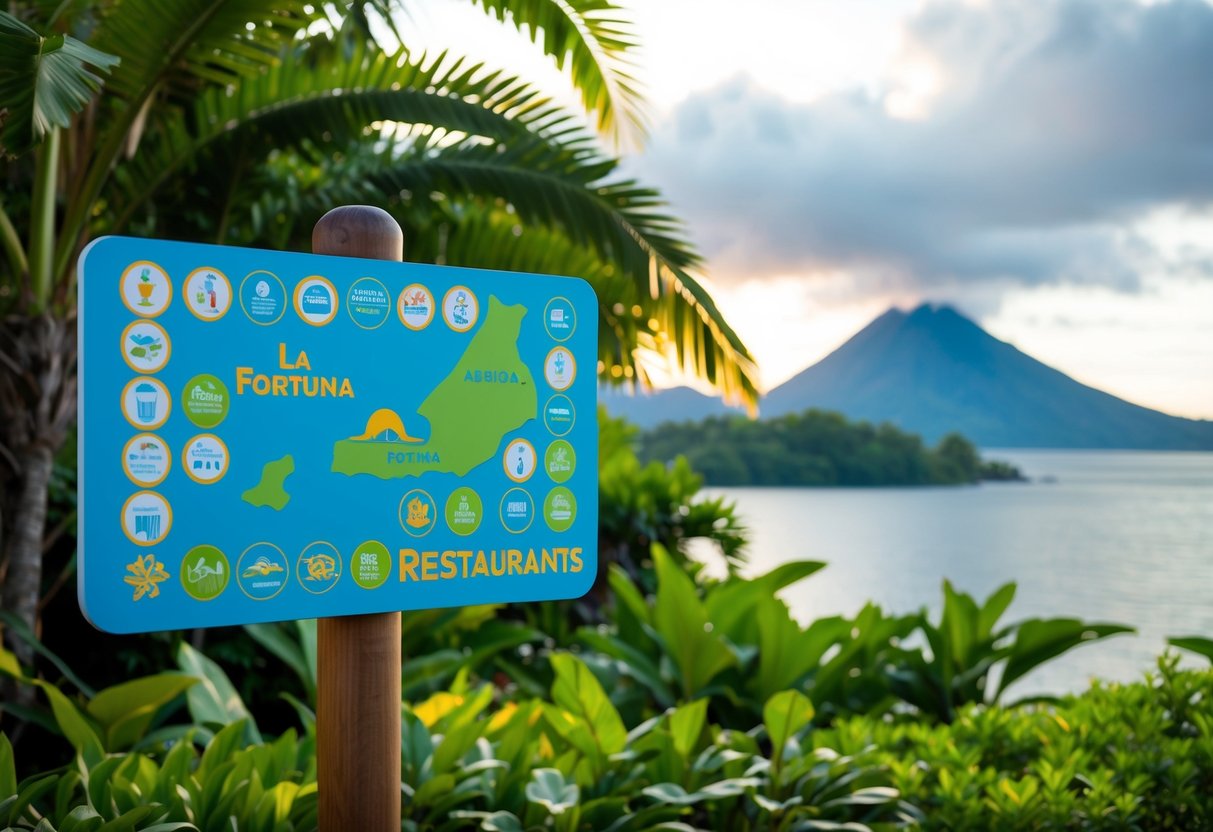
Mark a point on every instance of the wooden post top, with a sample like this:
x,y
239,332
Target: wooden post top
x,y
359,231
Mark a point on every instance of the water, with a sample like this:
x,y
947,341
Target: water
x,y
1121,536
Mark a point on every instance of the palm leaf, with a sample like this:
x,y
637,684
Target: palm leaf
x,y
591,40
43,82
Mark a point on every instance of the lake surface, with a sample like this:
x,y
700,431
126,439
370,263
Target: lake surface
x,y
1118,536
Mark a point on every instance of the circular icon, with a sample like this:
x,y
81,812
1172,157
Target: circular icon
x,y
517,510
262,297
560,509
145,346
559,319
460,308
208,293
519,460
205,458
146,289
559,415
146,460
261,572
146,518
418,512
371,565
316,300
559,368
205,400
146,403
319,567
205,573
368,303
559,461
464,511
415,306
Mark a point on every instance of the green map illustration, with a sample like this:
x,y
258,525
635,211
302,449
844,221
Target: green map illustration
x,y
271,489
488,394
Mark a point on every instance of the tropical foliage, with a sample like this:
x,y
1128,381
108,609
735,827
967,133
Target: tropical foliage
x,y
243,122
817,447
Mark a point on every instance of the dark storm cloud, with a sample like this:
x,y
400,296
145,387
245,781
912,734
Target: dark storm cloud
x,y
1059,123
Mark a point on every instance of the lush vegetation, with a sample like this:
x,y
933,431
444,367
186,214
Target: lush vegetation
x,y
243,121
817,447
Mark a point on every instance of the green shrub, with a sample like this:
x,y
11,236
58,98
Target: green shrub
x,y
1136,756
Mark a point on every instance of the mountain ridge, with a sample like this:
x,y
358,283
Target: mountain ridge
x,y
932,371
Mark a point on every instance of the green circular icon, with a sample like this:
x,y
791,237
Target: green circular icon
x,y
371,564
559,461
560,509
464,511
205,573
205,400
261,572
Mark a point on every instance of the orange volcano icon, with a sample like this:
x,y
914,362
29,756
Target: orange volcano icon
x,y
385,425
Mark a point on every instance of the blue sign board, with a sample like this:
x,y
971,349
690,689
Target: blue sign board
x,y
269,435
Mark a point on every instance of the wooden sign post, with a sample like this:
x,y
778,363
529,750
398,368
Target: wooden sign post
x,y
358,662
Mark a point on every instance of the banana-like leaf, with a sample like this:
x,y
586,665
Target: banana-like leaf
x,y
44,81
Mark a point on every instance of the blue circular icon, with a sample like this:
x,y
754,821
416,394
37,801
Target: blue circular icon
x,y
262,571
517,510
263,298
559,415
559,319
368,303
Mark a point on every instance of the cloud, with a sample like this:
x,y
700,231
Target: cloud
x,y
1029,139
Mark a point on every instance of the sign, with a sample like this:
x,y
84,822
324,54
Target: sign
x,y
270,435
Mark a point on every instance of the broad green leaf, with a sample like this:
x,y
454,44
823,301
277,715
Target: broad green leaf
x,y
74,725
501,822
549,789
214,700
680,618
1038,640
674,794
686,724
577,690
783,715
126,710
730,604
994,608
8,768
1197,644
9,664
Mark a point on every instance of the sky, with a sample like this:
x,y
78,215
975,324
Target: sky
x,y
1045,166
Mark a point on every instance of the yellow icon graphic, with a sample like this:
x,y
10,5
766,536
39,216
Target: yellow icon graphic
x,y
419,513
146,574
262,566
321,567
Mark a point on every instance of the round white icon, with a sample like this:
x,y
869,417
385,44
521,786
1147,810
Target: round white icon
x,y
460,309
205,458
145,346
519,460
262,288
560,368
146,403
146,289
208,293
146,518
146,459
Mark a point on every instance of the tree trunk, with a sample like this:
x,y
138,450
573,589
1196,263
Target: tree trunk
x,y
37,409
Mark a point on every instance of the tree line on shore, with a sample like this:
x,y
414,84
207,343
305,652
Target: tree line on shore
x,y
817,447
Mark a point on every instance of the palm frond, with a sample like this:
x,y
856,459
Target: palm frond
x,y
593,41
44,80
336,103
